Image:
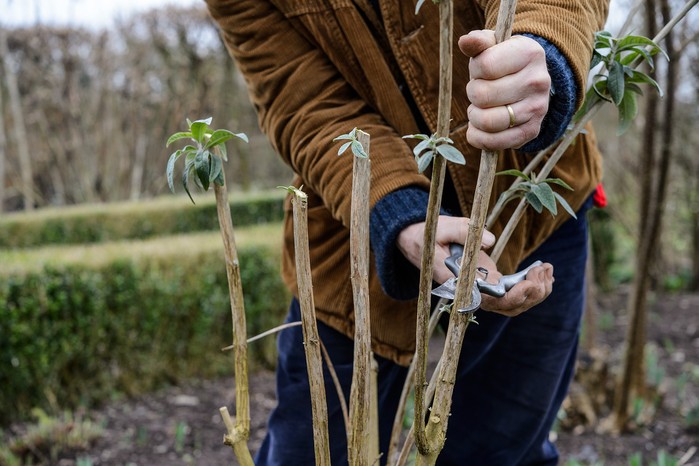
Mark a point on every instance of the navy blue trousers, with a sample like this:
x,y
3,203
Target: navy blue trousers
x,y
512,378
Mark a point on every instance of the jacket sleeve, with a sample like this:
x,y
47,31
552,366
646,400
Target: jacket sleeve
x,y
303,102
567,24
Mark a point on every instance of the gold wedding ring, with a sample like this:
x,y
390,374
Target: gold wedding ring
x,y
512,115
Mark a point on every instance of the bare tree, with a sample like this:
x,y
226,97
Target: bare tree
x,y
27,186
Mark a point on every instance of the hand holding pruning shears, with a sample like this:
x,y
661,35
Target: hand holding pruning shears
x,y
529,290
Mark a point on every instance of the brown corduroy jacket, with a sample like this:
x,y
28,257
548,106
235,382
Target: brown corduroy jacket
x,y
315,69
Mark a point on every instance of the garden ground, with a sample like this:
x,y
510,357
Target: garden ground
x,y
181,425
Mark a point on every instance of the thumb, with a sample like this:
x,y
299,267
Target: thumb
x,y
476,42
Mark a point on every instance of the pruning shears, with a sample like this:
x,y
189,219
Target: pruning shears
x,y
447,290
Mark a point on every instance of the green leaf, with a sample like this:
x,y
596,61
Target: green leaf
x,y
514,172
565,205
634,54
344,147
222,135
638,42
188,168
603,40
634,88
358,150
451,153
202,166
596,59
416,136
223,152
170,170
424,161
198,129
615,82
600,88
640,77
545,194
342,137
534,201
178,136
559,182
216,169
628,110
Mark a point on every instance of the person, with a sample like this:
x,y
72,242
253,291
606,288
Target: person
x,y
315,69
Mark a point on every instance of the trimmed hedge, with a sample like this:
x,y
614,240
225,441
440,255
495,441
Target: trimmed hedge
x,y
77,334
134,220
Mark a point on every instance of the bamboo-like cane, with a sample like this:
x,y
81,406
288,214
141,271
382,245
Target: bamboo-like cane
x,y
311,339
422,334
438,420
360,395
238,433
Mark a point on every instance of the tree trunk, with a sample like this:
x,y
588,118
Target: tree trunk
x,y
632,383
3,149
25,165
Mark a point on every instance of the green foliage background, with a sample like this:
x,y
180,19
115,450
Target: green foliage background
x,y
82,324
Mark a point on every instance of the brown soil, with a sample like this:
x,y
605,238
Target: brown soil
x,y
181,425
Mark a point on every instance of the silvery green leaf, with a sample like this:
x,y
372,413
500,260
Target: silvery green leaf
x,y
222,135
198,129
424,161
342,137
421,146
216,168
358,150
178,136
596,59
188,168
451,153
565,205
640,77
545,194
344,147
418,5
559,182
170,170
514,172
202,166
534,201
416,136
615,82
627,112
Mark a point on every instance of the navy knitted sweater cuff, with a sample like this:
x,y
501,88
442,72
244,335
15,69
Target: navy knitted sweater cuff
x,y
562,101
394,212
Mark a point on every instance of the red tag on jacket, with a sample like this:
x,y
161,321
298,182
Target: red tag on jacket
x,y
599,198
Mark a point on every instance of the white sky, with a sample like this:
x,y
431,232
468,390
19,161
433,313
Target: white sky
x,y
102,13
95,13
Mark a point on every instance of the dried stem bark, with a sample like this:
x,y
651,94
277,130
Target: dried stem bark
x,y
439,415
360,394
422,334
311,339
238,433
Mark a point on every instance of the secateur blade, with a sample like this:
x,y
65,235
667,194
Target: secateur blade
x,y
447,289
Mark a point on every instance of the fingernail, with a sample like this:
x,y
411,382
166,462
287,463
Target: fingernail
x,y
488,238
